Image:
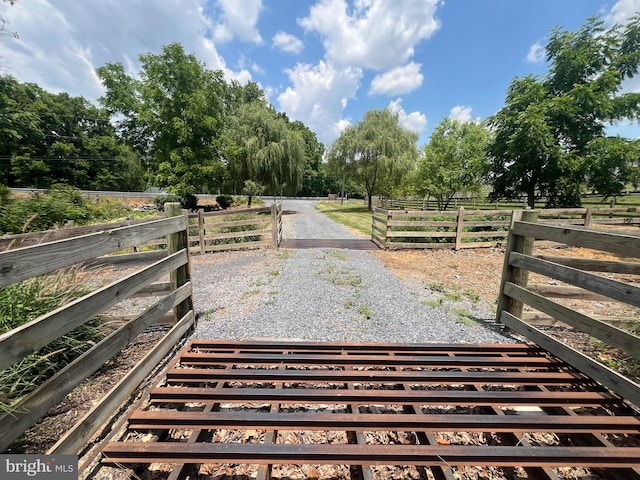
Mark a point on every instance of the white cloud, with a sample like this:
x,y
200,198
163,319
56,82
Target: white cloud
x,y
287,42
318,95
61,43
397,81
460,113
414,121
623,10
536,53
375,34
240,19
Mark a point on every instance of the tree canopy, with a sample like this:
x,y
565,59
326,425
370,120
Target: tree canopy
x,y
377,152
549,138
50,138
453,161
173,116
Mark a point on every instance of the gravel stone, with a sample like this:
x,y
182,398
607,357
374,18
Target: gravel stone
x,y
320,294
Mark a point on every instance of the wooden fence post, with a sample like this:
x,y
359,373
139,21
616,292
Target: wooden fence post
x,y
587,217
459,228
274,224
176,242
201,231
518,276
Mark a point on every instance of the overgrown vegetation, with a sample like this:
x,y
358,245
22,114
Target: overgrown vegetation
x,y
25,301
53,209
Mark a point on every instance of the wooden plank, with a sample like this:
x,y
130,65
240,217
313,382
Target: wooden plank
x,y
609,334
78,436
23,263
623,245
539,318
238,246
153,289
422,223
261,222
459,228
238,211
565,291
414,234
480,244
515,243
490,234
595,265
241,234
37,403
35,238
133,258
409,245
607,287
600,373
21,341
178,242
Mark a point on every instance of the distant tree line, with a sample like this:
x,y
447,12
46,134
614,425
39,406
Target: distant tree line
x,y
548,140
177,125
183,127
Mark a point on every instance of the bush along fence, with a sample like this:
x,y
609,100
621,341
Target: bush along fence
x,y
458,229
24,343
576,275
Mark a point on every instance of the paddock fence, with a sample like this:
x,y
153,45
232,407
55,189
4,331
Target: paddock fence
x,y
461,228
167,279
614,277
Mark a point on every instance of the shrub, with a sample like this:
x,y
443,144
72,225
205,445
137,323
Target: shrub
x,y
160,200
26,301
225,201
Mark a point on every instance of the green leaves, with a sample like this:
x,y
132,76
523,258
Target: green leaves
x,y
377,152
453,161
549,137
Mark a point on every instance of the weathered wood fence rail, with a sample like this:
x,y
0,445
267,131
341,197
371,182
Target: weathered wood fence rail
x,y
208,232
17,265
577,274
235,229
458,229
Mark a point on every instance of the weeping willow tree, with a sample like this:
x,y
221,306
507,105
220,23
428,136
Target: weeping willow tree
x,y
267,150
376,152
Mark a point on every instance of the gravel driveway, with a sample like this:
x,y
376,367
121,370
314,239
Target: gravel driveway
x,y
318,294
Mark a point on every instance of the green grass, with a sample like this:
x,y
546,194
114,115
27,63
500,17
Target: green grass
x,y
352,214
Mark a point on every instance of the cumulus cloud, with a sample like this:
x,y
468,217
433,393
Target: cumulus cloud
x,y
623,10
239,20
287,42
536,53
397,81
460,113
317,96
414,121
375,34
88,34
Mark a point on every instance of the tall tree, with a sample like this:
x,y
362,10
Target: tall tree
x,y
453,161
50,138
549,138
267,149
377,152
173,116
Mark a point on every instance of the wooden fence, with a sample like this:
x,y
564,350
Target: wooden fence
x,y
208,232
577,275
21,264
458,229
235,229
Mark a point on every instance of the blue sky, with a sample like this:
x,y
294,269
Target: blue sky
x,y
324,62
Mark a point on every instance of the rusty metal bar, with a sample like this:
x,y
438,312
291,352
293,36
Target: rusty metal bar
x,y
349,454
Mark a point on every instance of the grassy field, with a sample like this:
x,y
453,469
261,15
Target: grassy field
x,y
353,214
